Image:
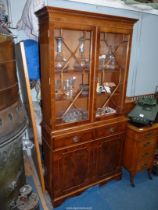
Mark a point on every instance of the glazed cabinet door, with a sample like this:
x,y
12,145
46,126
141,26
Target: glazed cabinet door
x,y
111,73
71,73
109,156
71,169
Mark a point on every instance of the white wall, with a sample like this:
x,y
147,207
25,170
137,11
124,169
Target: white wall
x,y
16,12
147,67
143,71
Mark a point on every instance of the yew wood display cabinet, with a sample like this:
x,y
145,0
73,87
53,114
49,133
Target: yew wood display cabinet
x,y
84,69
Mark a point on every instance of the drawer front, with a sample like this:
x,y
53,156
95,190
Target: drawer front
x,y
145,136
140,134
73,139
147,144
146,154
109,130
153,135
144,164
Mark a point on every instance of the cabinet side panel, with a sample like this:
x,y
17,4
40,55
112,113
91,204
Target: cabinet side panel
x,y
48,167
45,72
130,153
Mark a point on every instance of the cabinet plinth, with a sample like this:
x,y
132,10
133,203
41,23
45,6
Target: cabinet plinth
x,y
84,69
139,149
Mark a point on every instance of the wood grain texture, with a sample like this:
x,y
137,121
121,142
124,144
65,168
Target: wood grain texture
x,y
22,63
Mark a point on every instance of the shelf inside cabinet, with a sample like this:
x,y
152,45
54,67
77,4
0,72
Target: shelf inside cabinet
x,y
61,122
72,115
72,71
65,98
106,95
116,70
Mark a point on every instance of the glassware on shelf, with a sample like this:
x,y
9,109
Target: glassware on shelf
x,y
69,87
109,87
102,59
81,62
99,88
105,111
75,115
85,89
111,62
59,59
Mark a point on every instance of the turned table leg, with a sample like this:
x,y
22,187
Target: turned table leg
x,y
149,173
132,179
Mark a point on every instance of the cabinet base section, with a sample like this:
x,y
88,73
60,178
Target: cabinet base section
x,y
59,200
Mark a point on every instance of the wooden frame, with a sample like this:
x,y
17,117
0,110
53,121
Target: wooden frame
x,y
26,92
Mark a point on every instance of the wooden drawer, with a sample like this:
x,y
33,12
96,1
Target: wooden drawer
x,y
109,130
149,135
142,134
147,144
72,139
146,154
144,164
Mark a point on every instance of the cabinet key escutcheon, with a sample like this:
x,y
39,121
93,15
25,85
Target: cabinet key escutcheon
x,y
75,139
112,130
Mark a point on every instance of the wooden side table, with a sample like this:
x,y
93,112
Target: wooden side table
x,y
139,149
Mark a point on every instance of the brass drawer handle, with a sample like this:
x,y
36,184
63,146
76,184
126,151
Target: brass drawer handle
x,y
146,144
75,139
146,154
148,135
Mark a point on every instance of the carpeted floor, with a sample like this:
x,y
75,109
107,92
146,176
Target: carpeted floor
x,y
118,195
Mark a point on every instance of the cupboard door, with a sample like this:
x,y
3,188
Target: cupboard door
x,y
71,169
109,156
72,70
111,73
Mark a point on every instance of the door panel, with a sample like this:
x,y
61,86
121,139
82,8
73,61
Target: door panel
x,y
73,65
71,168
109,156
110,73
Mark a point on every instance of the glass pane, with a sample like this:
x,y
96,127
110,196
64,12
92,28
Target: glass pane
x,y
110,73
72,75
